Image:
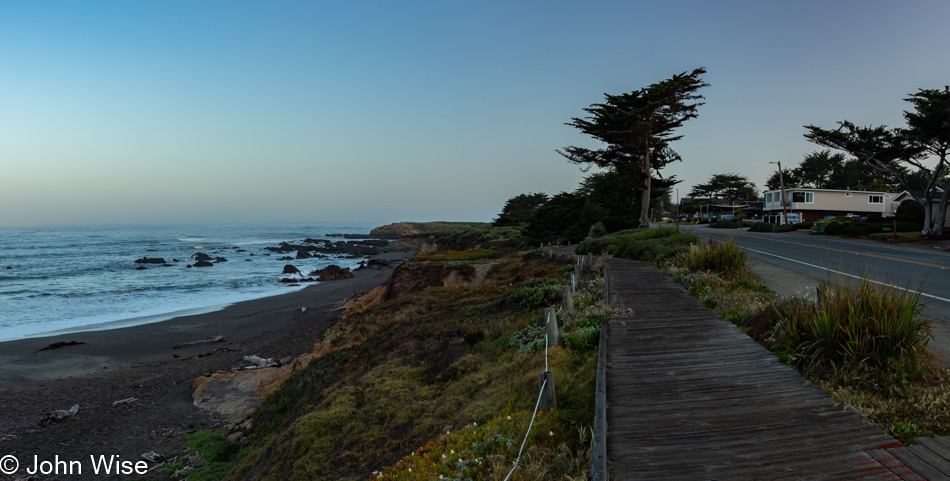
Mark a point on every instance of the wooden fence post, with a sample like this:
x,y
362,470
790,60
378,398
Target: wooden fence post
x,y
567,298
551,329
548,400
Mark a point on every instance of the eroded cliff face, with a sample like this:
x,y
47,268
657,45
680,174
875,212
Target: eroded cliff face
x,y
237,395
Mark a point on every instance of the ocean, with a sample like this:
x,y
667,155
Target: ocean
x,y
62,279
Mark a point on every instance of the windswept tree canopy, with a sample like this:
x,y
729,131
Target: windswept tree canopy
x,y
638,128
520,209
923,147
726,186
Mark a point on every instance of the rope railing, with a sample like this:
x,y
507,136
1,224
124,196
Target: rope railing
x,y
530,425
546,395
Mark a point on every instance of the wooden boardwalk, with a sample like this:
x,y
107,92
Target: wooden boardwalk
x,y
691,397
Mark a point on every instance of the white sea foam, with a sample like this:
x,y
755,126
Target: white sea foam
x,y
95,283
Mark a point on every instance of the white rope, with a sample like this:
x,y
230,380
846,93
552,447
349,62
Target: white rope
x,y
518,459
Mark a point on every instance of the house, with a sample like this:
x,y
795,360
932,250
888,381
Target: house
x,y
816,204
907,195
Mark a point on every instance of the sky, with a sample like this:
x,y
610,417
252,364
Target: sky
x,y
380,111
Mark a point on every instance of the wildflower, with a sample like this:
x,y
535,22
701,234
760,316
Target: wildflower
x,y
550,433
509,417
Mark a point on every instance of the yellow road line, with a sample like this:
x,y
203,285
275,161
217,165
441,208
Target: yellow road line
x,y
878,256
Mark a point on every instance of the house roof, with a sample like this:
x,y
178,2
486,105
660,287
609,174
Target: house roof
x,y
809,189
916,194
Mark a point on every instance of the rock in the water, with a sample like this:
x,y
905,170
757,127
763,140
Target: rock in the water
x,y
289,269
150,260
302,254
201,256
220,259
203,264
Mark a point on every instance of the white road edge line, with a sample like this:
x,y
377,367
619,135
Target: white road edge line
x,y
944,299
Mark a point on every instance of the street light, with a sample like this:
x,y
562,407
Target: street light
x,y
781,183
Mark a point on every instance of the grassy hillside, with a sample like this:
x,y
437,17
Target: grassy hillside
x,y
431,360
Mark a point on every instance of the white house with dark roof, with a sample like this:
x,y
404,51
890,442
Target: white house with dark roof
x,y
816,204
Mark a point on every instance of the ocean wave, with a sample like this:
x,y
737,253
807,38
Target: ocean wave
x,y
191,239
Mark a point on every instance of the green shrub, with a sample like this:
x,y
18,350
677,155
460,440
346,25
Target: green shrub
x,y
834,228
529,339
649,245
537,293
583,338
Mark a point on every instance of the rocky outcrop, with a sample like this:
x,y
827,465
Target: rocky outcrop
x,y
237,395
151,260
396,230
332,272
322,247
203,264
201,256
289,269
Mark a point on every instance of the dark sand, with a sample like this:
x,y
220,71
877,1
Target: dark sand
x,y
141,362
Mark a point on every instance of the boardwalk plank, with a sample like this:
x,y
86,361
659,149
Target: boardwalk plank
x,y
690,396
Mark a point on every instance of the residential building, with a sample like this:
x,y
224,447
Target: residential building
x,y
905,195
816,204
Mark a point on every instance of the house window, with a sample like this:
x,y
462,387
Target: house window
x,y
803,197
875,199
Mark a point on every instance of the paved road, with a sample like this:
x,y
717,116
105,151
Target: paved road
x,y
792,263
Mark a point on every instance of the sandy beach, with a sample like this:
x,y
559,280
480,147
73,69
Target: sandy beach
x,y
142,362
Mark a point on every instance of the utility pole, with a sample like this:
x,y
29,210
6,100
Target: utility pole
x,y
781,183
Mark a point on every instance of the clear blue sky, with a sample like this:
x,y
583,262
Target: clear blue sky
x,y
222,111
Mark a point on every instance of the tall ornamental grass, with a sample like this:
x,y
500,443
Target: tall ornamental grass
x,y
863,325
725,258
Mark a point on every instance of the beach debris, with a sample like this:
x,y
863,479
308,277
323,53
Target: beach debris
x,y
258,362
199,356
57,345
162,433
209,340
303,310
153,457
59,415
127,400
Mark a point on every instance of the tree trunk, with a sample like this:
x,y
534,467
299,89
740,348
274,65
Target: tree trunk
x,y
941,214
647,181
928,215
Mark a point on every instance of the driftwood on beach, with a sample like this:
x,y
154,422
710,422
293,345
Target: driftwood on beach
x,y
209,340
57,345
